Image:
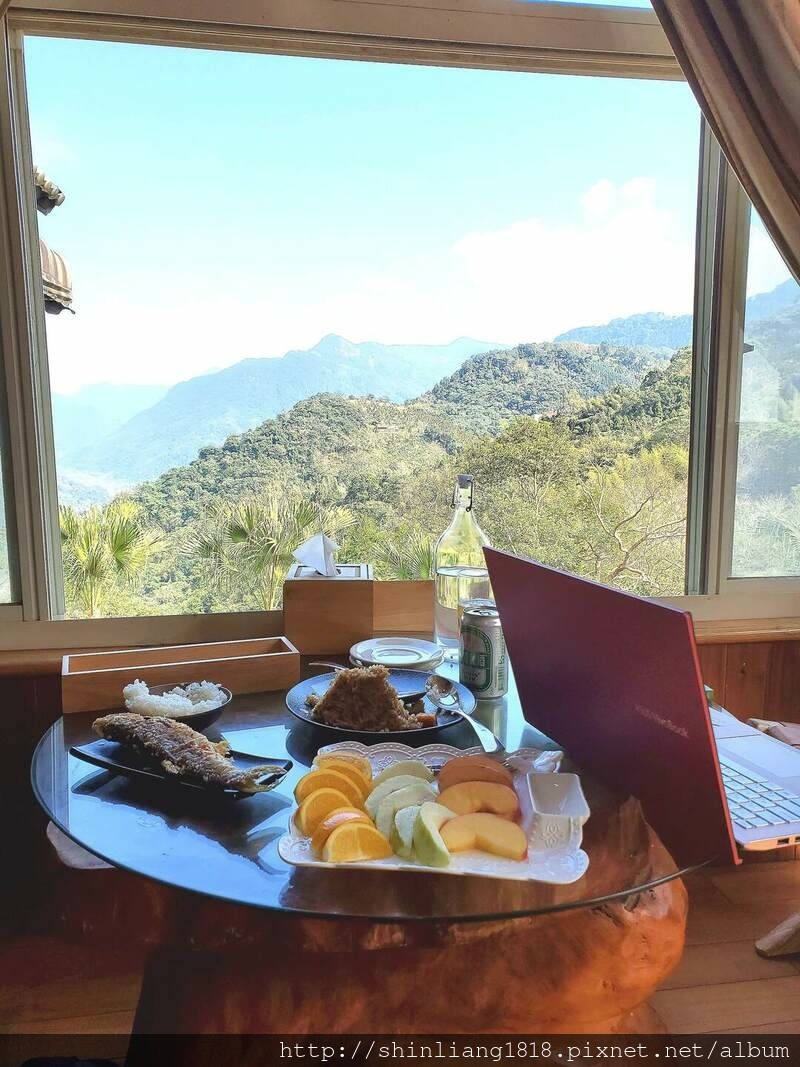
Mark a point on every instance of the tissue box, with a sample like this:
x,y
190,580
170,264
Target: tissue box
x,y
325,616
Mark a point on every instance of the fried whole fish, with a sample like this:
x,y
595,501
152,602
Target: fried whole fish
x,y
184,752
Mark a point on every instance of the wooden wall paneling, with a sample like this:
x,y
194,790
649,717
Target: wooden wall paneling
x,y
713,659
783,682
28,705
746,672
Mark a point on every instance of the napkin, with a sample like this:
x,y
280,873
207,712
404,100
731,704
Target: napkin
x,y
318,553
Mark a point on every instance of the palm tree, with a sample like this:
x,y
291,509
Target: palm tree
x,y
406,556
247,546
103,550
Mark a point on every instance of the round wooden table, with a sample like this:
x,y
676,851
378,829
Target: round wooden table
x,y
244,943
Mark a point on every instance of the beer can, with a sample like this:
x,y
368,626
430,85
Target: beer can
x,y
483,660
473,602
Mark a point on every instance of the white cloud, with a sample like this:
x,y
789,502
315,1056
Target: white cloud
x,y
620,254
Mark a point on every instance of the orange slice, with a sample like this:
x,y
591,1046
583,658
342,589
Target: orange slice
x,y
316,806
354,841
352,760
351,771
330,822
325,779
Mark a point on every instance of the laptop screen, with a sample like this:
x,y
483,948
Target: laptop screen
x,y
614,679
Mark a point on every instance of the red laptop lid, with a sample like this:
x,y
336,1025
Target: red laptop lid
x,y
615,680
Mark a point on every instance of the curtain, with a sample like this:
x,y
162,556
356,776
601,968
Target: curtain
x,y
742,59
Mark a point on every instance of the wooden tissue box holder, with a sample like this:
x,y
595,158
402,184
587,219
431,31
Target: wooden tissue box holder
x,y
94,681
326,616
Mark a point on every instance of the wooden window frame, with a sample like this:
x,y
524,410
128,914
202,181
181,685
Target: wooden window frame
x,y
493,34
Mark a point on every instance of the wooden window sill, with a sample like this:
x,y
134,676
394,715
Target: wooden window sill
x,y
737,631
746,631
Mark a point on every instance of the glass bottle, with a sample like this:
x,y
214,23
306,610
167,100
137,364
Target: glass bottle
x,y
461,572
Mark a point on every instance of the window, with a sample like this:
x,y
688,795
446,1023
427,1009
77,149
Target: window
x,y
294,299
304,275
766,535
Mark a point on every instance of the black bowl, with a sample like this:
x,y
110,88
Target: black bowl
x,y
202,719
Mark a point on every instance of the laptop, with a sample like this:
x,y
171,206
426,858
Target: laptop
x,y
615,680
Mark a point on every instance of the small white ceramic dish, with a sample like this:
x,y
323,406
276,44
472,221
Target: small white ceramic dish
x,y
557,866
559,810
399,652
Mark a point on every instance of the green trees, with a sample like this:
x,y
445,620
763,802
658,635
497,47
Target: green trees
x,y
246,546
607,507
598,488
631,520
104,552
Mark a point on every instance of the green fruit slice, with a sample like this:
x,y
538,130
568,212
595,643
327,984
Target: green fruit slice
x,y
400,781
429,847
413,767
402,837
400,798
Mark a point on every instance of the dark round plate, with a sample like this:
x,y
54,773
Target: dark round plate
x,y
202,719
403,681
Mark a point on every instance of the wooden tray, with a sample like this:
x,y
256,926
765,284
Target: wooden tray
x,y
94,681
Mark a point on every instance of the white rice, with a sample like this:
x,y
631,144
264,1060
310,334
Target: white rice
x,y
177,703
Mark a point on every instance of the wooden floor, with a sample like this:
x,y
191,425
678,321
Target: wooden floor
x,y
48,988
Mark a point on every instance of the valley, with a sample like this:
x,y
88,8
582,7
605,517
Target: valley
x,y
580,453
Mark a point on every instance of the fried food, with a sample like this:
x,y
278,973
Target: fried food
x,y
184,752
361,698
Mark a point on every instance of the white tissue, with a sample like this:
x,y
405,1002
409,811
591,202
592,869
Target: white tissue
x,y
318,553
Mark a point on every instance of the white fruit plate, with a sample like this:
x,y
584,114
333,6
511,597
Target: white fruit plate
x,y
557,866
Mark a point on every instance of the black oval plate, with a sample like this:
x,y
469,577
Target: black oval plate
x,y
114,757
403,682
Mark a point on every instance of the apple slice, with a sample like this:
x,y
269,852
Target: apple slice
x,y
429,848
466,797
414,767
486,832
473,769
402,835
401,798
400,781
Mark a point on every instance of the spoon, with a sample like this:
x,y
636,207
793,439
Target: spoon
x,y
443,694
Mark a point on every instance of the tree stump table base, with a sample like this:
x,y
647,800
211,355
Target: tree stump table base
x,y
583,970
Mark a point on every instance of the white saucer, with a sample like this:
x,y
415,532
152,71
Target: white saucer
x,y
401,652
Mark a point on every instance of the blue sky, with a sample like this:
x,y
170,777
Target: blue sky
x,y
223,205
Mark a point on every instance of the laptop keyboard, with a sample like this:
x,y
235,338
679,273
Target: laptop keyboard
x,y
754,801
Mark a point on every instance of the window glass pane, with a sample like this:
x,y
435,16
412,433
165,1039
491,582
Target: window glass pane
x,y
766,537
311,290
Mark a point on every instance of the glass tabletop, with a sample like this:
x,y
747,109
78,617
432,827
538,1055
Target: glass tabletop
x,y
228,849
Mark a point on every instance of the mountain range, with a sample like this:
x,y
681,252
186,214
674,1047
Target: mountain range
x,y
675,331
535,379
83,418
369,443
109,437
205,410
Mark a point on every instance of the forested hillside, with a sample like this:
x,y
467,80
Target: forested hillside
x,y
580,455
674,331
535,379
206,410
593,487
